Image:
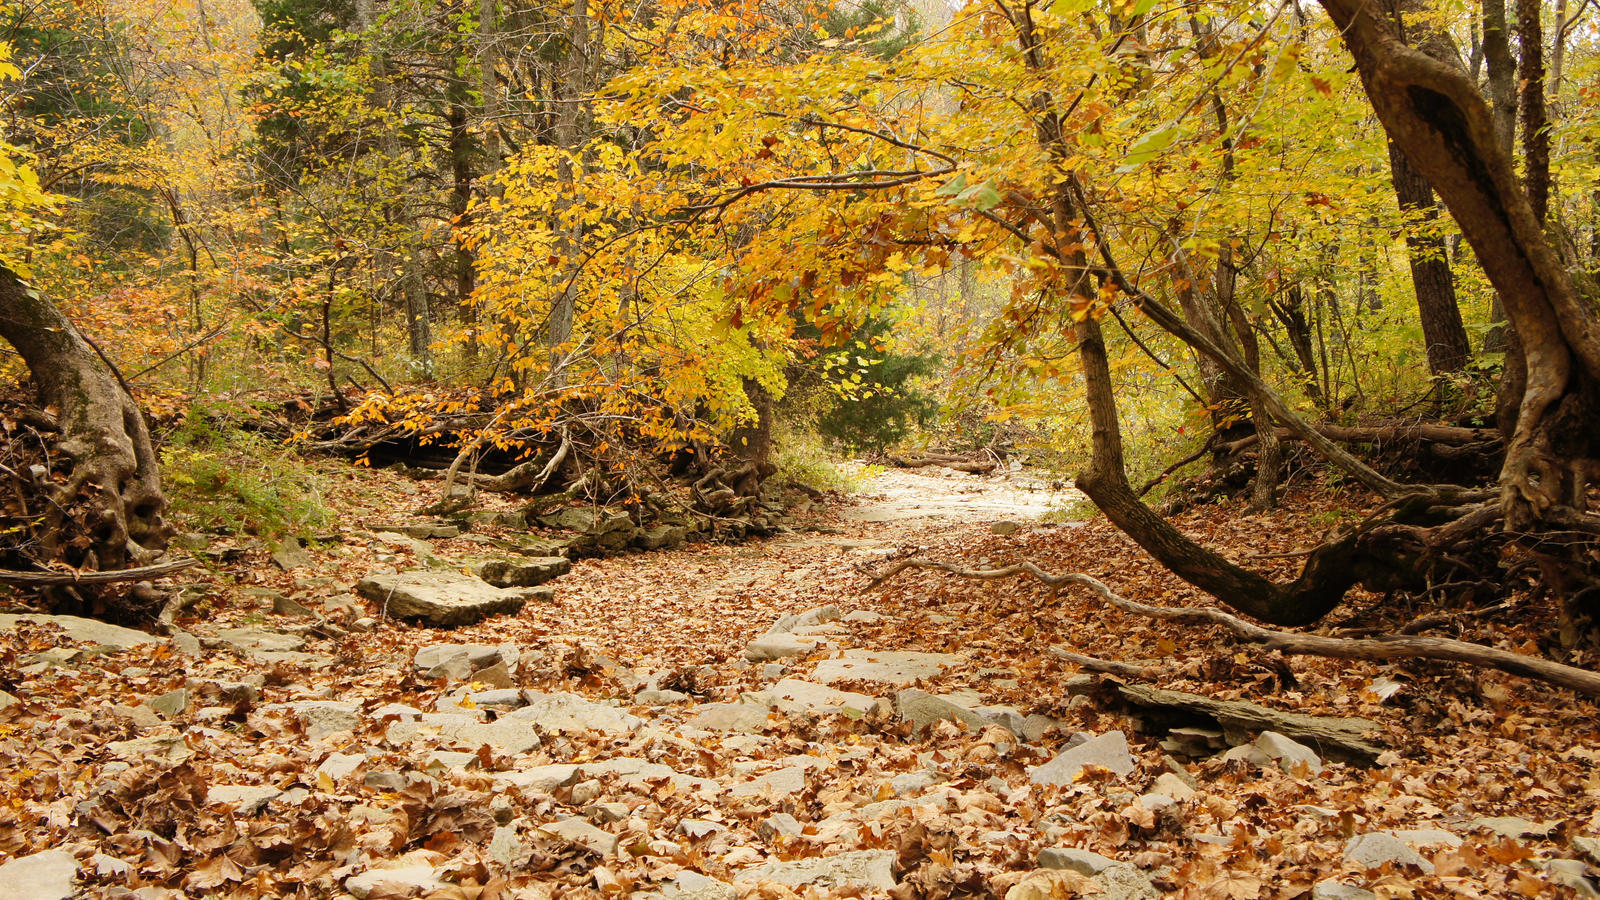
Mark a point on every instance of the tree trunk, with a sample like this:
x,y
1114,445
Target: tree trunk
x,y
1535,121
1443,333
1436,115
103,434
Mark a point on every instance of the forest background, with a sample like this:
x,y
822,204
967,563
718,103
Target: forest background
x,y
552,242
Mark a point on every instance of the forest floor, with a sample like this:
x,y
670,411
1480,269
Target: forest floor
x,y
919,741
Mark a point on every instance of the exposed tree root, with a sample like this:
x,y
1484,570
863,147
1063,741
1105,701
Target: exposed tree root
x,y
1382,647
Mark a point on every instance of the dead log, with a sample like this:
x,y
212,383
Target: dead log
x,y
1449,435
59,579
960,462
1374,649
1331,736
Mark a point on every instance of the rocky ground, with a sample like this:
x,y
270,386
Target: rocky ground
x,y
749,721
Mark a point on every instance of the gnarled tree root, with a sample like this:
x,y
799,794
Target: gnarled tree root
x,y
1382,647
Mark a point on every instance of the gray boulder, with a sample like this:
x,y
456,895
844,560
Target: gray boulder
x,y
445,598
924,710
1109,750
530,572
1375,848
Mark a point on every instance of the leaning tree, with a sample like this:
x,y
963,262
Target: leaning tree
x,y
106,511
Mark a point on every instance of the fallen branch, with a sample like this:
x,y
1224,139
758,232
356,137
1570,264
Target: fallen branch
x,y
1382,647
1106,666
56,579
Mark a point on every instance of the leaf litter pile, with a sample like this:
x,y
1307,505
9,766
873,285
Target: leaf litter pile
x,y
750,721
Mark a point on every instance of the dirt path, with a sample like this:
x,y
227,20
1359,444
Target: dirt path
x,y
726,722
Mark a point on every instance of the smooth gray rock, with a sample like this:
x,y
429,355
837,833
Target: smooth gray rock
x,y
780,824
172,703
542,779
526,572
577,831
785,782
695,886
643,774
1109,750
445,598
339,765
84,631
1086,862
1375,848
1512,826
39,876
251,640
793,695
290,555
571,713
870,869
885,666
745,718
661,537
779,646
924,710
1290,755
1006,527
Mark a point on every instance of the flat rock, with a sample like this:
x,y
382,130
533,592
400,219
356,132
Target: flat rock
x,y
923,710
172,703
657,697
503,735
84,631
1109,750
339,765
793,695
1513,826
869,869
322,717
422,531
641,773
1086,862
746,718
1376,848
445,598
169,747
1291,756
577,831
251,640
526,572
785,782
661,537
779,646
39,876
290,555
884,666
695,886
571,713
543,779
